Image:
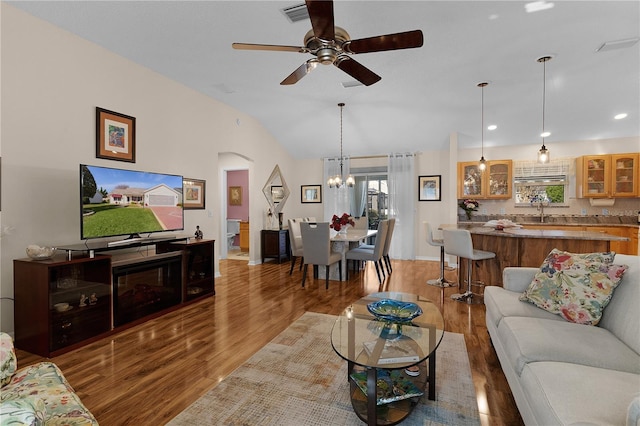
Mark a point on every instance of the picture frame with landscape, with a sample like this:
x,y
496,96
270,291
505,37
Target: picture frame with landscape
x,y
311,193
194,194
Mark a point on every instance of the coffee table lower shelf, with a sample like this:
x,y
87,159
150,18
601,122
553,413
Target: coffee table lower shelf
x,y
391,413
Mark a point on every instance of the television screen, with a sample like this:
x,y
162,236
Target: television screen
x,y
118,202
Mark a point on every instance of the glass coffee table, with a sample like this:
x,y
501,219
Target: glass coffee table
x,y
379,351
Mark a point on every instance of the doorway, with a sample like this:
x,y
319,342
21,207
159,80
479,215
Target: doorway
x,y
235,210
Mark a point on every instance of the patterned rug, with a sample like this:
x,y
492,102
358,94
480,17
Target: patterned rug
x,y
297,379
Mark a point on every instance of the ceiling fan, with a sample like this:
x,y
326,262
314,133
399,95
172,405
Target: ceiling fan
x,y
332,45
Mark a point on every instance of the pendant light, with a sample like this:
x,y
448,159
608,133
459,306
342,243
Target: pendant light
x,y
338,179
543,154
482,164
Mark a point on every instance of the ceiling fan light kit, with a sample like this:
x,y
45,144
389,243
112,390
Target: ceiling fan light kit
x,y
331,45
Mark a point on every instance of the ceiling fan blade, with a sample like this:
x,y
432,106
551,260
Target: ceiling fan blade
x,y
356,70
300,72
276,47
321,15
405,40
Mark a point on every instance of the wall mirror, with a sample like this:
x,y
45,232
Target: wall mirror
x,y
276,190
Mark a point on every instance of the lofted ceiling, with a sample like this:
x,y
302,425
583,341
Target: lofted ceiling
x,y
425,93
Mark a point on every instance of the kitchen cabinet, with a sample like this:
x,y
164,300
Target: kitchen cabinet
x,y
244,236
622,247
608,176
494,183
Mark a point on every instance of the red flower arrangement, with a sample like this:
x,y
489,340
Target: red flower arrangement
x,y
338,222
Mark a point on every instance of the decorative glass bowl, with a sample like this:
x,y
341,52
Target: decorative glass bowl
x,y
394,310
40,253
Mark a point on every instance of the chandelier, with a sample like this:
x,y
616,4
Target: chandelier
x,y
482,164
543,154
338,179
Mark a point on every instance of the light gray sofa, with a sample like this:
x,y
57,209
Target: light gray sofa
x,y
561,373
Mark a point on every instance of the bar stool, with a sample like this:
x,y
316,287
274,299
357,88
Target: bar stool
x,y
458,243
442,281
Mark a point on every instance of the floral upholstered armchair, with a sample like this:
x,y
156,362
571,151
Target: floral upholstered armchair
x,y
38,394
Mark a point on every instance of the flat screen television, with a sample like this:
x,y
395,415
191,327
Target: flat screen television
x,y
117,202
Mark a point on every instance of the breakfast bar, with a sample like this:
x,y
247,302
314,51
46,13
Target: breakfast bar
x,y
526,247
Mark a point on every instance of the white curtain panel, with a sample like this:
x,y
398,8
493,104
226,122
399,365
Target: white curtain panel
x,y
402,204
336,200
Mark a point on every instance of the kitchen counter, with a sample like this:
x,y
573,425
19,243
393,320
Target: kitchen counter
x,y
617,221
526,247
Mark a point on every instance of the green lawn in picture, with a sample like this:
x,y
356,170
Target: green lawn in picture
x,y
110,219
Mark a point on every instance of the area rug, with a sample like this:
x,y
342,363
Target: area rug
x,y
297,379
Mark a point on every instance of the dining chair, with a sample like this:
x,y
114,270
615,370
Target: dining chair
x,y
361,222
458,242
387,245
295,242
317,249
372,255
438,242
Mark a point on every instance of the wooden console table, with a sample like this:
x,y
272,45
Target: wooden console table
x,y
274,244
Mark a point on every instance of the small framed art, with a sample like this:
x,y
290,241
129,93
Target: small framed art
x,y
194,190
311,193
429,188
235,195
115,136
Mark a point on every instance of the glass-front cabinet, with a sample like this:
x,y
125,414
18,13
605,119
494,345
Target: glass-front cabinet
x,y
608,176
495,182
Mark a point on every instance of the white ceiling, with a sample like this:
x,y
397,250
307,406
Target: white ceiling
x,y
425,93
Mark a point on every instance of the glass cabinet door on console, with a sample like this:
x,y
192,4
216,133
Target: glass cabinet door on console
x,y
495,182
61,303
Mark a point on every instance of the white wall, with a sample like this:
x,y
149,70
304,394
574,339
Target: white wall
x,y
52,81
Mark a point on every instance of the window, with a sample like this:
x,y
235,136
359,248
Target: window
x,y
374,204
542,182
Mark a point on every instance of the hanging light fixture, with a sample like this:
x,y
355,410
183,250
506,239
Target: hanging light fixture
x,y
482,164
338,179
543,154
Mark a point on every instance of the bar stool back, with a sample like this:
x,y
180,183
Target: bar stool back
x,y
442,281
458,242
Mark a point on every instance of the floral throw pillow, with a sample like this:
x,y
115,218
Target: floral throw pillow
x,y
8,362
575,286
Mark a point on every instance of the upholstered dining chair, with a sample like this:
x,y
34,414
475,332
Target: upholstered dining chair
x,y
372,255
317,249
387,245
360,222
437,242
295,241
458,242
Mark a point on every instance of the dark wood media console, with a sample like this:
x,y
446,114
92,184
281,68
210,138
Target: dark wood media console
x,y
106,293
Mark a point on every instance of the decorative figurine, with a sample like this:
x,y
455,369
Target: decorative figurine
x,y
198,233
83,300
93,299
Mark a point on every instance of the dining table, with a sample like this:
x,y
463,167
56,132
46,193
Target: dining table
x,y
342,243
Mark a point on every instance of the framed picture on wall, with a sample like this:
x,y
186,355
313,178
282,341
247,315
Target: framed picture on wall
x,y
193,193
115,136
429,188
311,193
235,195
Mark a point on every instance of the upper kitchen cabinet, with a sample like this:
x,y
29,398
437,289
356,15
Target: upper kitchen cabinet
x,y
494,183
607,176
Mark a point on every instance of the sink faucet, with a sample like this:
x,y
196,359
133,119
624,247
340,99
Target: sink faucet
x,y
540,207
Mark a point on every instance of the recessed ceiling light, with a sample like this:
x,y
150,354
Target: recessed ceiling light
x,y
545,134
537,6
620,116
492,127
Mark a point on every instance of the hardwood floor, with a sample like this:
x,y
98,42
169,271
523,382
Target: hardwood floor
x,y
149,373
